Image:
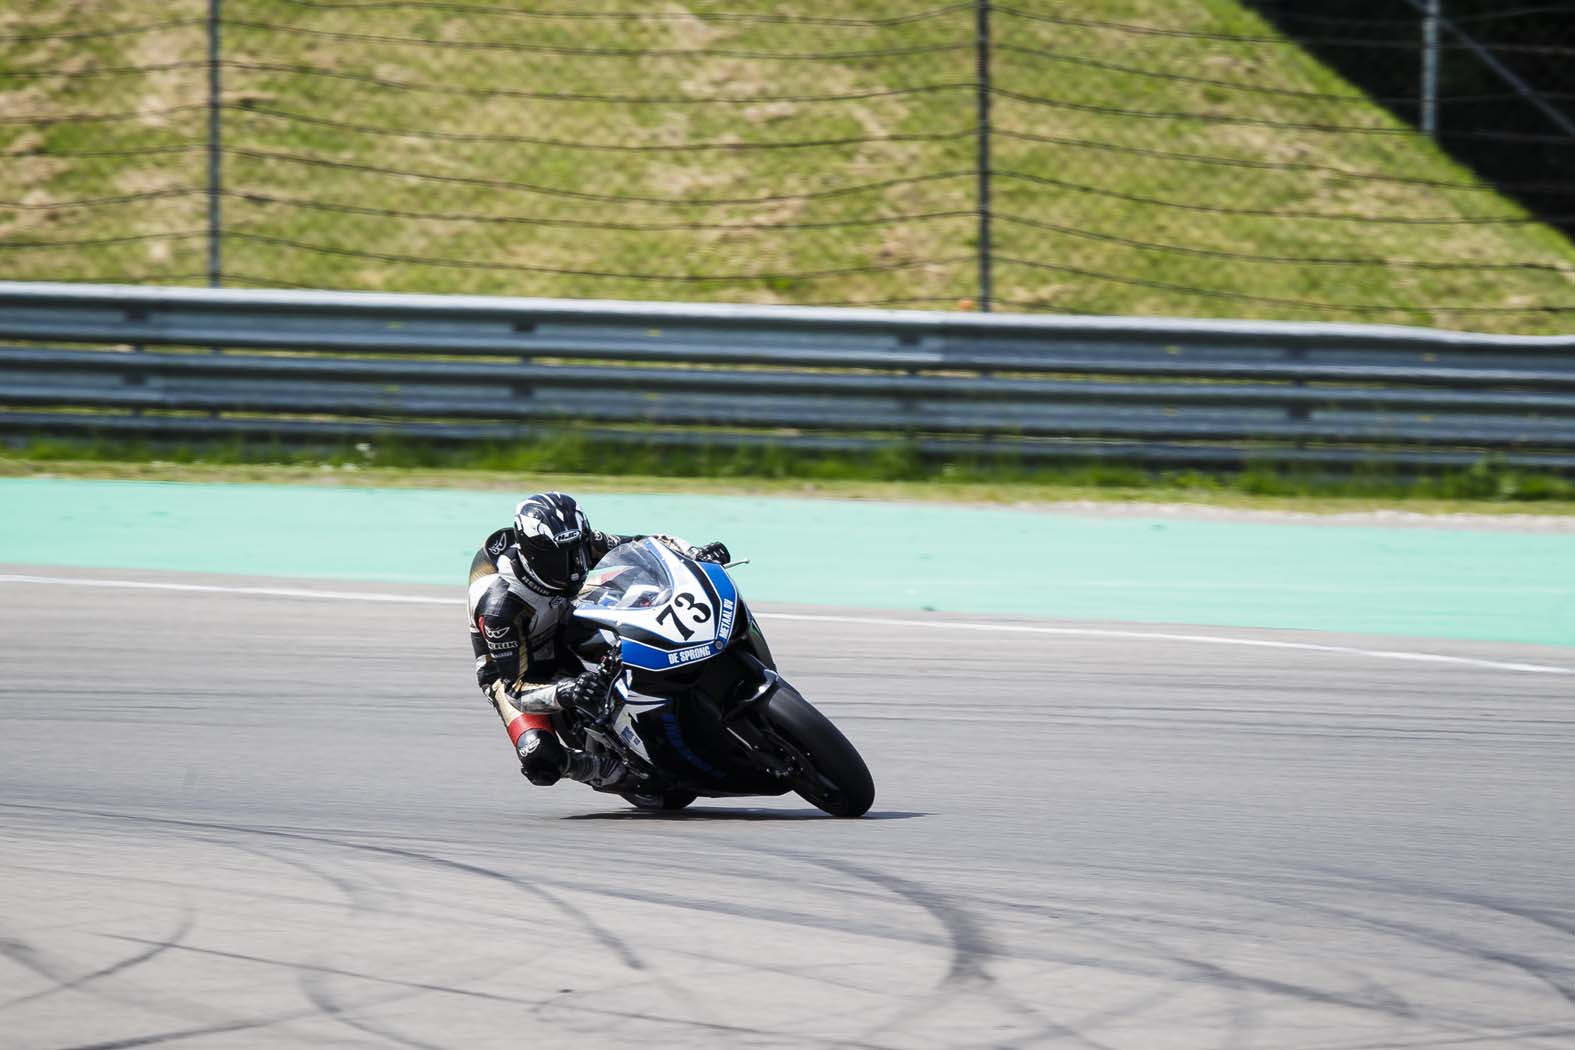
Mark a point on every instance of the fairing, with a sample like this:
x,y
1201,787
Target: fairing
x,y
668,611
691,652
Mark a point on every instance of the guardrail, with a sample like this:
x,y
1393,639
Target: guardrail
x,y
191,363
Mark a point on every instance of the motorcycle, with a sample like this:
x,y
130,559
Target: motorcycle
x,y
699,708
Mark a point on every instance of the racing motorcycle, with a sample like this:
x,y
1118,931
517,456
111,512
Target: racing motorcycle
x,y
699,708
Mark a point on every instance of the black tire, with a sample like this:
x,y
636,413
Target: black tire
x,y
668,800
839,781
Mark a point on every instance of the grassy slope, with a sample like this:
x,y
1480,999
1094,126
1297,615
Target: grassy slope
x,y
592,241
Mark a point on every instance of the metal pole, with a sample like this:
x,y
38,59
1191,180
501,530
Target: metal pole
x,y
983,58
1558,117
215,169
1430,67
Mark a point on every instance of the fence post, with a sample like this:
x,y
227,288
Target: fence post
x,y
215,169
982,39
1430,68
1485,55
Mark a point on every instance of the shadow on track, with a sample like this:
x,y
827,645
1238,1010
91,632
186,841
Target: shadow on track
x,y
704,813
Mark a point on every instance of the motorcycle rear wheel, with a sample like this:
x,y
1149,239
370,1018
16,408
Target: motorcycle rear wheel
x,y
837,781
666,800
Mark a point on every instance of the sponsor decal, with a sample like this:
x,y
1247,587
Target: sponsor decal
x,y
724,621
498,632
501,647
684,656
676,738
630,736
497,546
566,536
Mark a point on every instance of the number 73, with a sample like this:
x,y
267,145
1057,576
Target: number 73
x,y
698,613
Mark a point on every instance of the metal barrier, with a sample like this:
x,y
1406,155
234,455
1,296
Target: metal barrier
x,y
192,363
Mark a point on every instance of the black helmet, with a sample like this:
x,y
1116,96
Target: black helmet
x,y
554,540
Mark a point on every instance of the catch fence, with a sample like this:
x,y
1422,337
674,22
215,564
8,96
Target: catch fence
x,y
1031,155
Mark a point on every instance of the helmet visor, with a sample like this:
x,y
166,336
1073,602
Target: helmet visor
x,y
560,562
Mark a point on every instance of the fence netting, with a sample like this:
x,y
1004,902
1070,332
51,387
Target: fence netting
x,y
1134,157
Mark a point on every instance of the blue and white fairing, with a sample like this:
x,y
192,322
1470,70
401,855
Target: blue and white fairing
x,y
668,611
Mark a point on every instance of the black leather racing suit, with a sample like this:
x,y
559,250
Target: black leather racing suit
x,y
517,636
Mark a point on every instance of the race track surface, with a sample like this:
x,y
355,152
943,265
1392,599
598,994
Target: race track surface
x,y
246,820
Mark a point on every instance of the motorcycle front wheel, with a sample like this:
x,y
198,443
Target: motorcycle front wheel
x,y
836,779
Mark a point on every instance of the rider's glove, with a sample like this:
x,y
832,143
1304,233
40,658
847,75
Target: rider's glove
x,y
588,691
682,546
486,674
714,551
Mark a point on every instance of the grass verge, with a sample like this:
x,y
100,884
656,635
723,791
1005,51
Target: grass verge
x,y
568,463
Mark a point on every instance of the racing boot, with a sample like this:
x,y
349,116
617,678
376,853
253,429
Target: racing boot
x,y
542,758
599,771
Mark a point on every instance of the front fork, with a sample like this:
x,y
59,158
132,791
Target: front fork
x,y
747,723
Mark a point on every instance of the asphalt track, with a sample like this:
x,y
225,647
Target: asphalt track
x,y
267,820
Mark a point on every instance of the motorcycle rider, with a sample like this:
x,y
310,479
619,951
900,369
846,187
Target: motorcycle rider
x,y
522,582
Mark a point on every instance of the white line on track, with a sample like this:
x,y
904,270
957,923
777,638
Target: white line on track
x,y
1164,636
869,621
212,588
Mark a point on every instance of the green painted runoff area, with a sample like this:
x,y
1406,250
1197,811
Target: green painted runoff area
x,y
1441,583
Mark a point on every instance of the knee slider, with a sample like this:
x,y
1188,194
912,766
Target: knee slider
x,y
542,758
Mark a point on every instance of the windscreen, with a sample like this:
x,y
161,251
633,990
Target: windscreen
x,y
630,577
